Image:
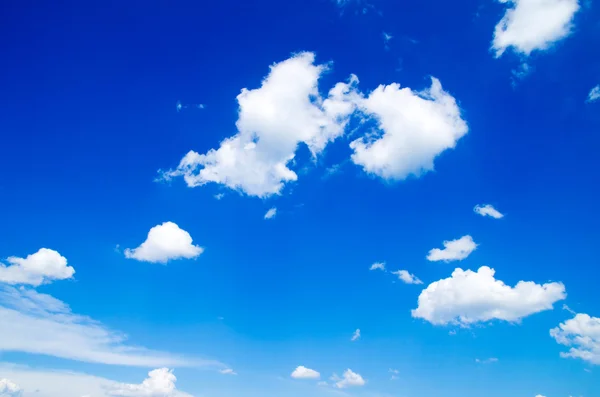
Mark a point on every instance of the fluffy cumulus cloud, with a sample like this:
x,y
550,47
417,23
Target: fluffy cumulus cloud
x,y
164,243
37,323
348,379
355,335
160,383
594,94
271,213
530,25
288,110
305,373
406,277
454,250
488,210
582,334
9,389
469,297
39,268
415,127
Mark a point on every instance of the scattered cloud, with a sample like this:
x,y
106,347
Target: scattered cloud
x,y
454,250
594,94
160,383
36,269
567,308
469,297
415,128
355,335
394,373
582,334
488,210
164,243
9,389
486,360
305,373
271,213
219,196
518,74
530,25
228,371
349,379
378,266
406,277
37,323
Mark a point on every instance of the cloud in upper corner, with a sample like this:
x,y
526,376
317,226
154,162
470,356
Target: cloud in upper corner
x,y
9,389
348,379
530,25
594,94
406,277
302,372
488,210
355,336
271,213
454,250
378,266
288,110
469,297
36,323
582,334
165,242
36,269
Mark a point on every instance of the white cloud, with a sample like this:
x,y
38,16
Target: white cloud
x,y
416,127
271,213
288,110
164,243
469,297
454,250
37,323
219,196
228,371
349,379
377,266
305,373
355,335
9,389
406,277
36,269
160,383
530,25
594,94
582,333
488,210
486,360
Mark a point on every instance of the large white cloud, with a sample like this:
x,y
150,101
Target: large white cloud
x,y
415,128
582,333
165,242
160,383
530,25
454,250
302,372
348,379
37,323
469,297
41,267
288,110
9,389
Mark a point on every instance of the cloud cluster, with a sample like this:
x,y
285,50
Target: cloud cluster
x,y
165,242
530,25
413,128
454,250
9,389
582,333
469,297
39,268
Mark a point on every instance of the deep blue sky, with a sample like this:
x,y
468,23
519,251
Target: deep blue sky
x,y
87,118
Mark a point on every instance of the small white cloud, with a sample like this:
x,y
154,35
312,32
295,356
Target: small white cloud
x,y
219,196
582,334
160,383
469,297
377,266
594,94
488,210
406,277
394,371
530,25
387,37
164,243
454,250
355,335
228,371
9,389
271,213
305,373
486,360
349,379
42,267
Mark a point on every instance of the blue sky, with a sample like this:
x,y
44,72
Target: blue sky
x,y
194,194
